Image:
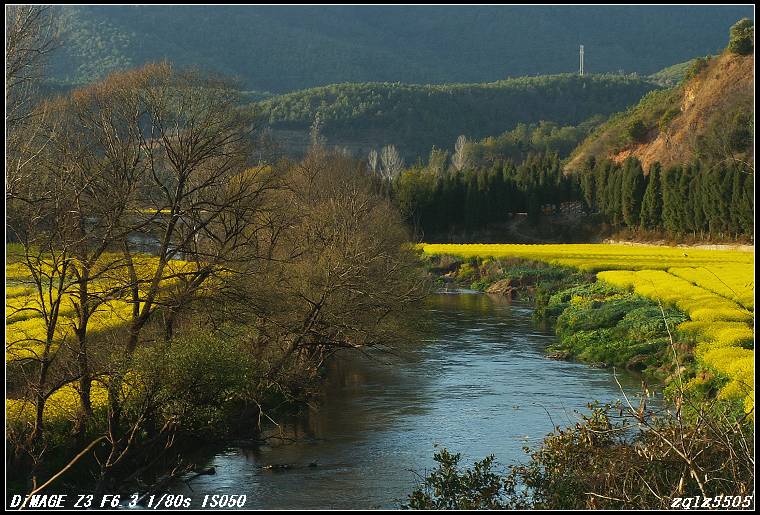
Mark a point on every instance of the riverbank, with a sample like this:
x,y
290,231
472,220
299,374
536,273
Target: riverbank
x,y
477,382
605,324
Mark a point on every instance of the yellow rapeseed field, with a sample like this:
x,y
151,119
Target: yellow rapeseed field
x,y
63,404
715,288
26,331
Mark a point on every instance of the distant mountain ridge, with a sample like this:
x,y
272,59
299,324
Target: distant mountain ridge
x,y
285,48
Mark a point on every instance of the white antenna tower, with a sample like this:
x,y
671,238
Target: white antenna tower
x,y
581,70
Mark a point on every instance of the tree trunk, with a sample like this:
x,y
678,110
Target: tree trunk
x,y
39,405
169,320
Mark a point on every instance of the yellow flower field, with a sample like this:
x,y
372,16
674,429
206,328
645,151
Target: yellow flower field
x,y
595,257
63,404
715,288
25,330
735,282
26,333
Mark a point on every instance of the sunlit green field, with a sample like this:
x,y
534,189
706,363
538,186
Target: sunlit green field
x,y
715,288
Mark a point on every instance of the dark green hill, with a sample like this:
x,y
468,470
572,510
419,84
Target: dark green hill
x,y
416,117
284,48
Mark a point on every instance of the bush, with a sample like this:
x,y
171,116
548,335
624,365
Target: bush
x,y
601,324
741,37
448,488
586,314
637,131
206,395
667,117
741,132
617,457
699,64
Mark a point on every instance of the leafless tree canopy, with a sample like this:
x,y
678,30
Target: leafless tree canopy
x,y
144,203
391,162
372,161
29,38
459,158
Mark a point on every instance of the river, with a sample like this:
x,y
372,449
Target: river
x,y
481,385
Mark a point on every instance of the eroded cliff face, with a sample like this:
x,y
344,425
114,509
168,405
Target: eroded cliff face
x,y
723,88
725,85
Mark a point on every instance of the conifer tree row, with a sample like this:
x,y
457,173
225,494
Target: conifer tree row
x,y
698,200
703,201
473,198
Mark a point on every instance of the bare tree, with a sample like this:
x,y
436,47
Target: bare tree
x,y
40,264
29,38
199,201
391,162
145,198
316,139
154,154
197,143
372,161
343,277
97,150
459,158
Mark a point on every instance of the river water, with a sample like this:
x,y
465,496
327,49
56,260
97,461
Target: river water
x,y
480,385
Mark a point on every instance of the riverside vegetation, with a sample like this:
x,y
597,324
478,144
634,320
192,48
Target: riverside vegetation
x,y
689,328
171,278
147,238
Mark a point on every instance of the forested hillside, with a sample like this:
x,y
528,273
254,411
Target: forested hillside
x,y
279,49
678,164
415,117
672,75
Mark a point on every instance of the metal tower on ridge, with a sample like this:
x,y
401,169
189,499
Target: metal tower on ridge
x,y
581,69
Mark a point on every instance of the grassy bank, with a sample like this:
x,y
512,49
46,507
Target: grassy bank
x,y
607,309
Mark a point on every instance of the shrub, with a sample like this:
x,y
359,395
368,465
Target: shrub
x,y
449,488
667,117
637,131
741,37
697,65
741,132
615,457
586,314
205,394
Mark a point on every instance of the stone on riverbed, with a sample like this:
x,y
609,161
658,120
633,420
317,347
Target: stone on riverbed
x,y
502,287
559,355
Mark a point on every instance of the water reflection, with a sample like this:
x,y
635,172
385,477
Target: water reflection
x,y
479,385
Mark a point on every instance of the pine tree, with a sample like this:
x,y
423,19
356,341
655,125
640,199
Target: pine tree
x,y
743,204
632,192
614,195
601,180
706,198
682,197
696,205
587,184
651,204
471,203
670,200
